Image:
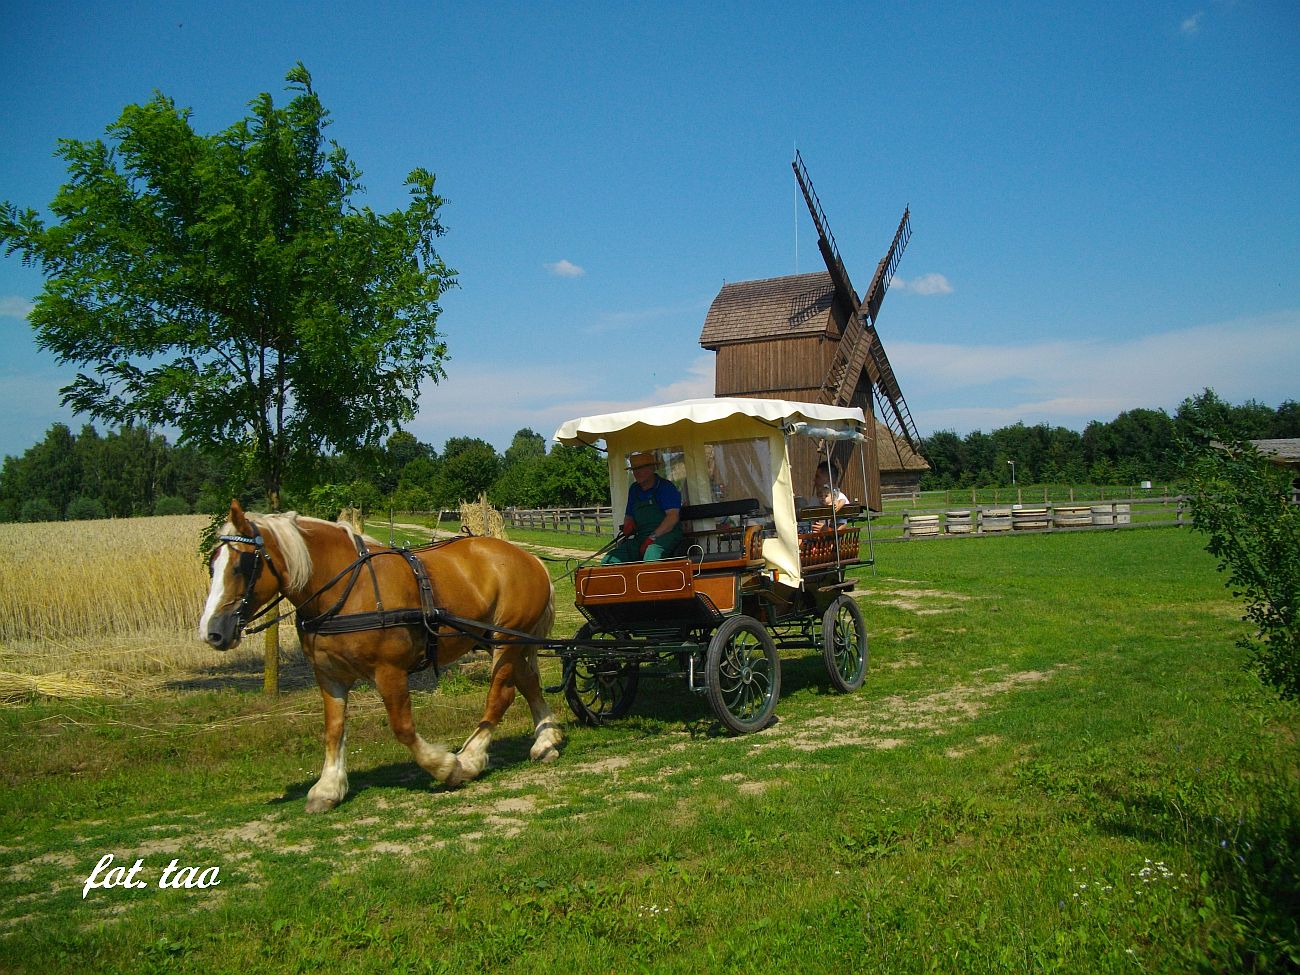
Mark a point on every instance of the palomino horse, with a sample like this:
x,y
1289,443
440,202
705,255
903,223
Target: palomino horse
x,y
362,615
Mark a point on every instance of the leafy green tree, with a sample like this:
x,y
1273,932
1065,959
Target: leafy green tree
x,y
82,508
574,477
169,504
38,509
228,285
468,468
527,444
1285,424
1242,502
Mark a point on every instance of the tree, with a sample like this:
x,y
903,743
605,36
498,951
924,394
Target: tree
x,y
573,477
527,444
83,508
227,285
1242,502
468,468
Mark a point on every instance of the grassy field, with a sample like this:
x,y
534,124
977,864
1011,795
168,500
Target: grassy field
x,y
1057,764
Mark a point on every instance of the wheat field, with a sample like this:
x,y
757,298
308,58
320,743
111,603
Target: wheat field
x,y
101,607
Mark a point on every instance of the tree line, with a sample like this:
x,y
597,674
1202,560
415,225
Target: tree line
x,y
1138,445
133,471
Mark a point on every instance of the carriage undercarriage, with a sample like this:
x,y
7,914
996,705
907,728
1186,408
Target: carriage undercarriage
x,y
729,655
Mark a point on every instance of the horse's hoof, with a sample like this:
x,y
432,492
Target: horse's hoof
x,y
317,805
546,753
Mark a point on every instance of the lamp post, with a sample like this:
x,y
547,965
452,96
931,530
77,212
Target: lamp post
x,y
1013,472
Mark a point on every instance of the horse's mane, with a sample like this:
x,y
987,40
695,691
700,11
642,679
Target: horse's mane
x,y
283,527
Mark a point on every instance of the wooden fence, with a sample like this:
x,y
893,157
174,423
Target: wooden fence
x,y
573,521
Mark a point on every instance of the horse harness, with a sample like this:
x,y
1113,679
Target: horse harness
x,y
333,621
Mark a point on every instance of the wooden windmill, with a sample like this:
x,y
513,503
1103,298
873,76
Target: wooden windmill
x,y
809,337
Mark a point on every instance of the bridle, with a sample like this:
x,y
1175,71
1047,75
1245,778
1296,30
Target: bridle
x,y
250,567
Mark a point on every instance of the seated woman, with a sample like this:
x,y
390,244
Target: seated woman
x,y
650,523
826,496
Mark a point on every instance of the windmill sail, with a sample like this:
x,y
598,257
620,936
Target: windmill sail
x,y
860,348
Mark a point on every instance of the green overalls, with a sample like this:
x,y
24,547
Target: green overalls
x,y
647,516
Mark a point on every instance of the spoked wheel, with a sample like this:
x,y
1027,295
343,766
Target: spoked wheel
x,y
844,643
599,690
744,675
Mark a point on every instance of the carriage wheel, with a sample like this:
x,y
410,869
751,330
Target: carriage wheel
x,y
844,643
599,690
744,675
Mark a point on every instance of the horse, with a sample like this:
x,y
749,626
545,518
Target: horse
x,y
366,611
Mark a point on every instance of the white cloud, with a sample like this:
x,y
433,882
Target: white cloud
x,y
493,401
1192,24
926,284
618,321
15,306
565,269
1070,382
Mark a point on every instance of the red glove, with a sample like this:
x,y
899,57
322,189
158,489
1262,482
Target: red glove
x,y
629,527
646,544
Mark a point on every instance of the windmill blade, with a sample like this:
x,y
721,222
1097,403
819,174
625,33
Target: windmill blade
x,y
859,347
844,293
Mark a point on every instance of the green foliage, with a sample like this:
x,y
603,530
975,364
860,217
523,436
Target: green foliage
x,y
1243,503
88,509
468,468
1137,445
171,505
37,509
228,285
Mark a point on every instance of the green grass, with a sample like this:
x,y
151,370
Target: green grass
x,y
1057,764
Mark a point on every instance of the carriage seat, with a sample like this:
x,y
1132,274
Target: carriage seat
x,y
720,544
829,546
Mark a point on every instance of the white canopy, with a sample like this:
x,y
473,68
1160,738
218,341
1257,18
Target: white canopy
x,y
588,429
692,425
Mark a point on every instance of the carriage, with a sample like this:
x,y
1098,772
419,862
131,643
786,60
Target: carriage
x,y
756,571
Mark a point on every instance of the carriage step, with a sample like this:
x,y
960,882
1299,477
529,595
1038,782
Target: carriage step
x,y
838,587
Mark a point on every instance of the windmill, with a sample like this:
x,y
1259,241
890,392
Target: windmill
x,y
859,349
808,338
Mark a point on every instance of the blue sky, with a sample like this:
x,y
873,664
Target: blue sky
x,y
1105,197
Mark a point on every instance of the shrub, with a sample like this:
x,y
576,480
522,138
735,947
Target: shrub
x,y
37,509
1242,502
169,504
82,508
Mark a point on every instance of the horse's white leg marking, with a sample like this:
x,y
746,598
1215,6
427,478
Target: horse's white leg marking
x,y
433,758
216,591
547,736
473,755
332,785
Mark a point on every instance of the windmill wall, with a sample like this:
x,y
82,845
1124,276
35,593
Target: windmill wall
x,y
774,339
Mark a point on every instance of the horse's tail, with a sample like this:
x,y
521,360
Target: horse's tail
x,y
547,619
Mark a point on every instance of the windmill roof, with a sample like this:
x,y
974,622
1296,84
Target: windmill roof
x,y
895,455
747,311
1281,451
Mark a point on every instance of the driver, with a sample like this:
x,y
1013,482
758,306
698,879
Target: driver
x,y
654,507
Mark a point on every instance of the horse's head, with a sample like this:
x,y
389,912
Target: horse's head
x,y
245,576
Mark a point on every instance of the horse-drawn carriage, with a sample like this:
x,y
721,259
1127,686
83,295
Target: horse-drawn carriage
x,y
745,583
750,577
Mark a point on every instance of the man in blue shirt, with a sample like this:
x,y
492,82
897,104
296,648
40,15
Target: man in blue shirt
x,y
650,523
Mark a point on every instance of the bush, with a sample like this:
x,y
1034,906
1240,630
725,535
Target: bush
x,y
171,505
37,509
82,508
1243,503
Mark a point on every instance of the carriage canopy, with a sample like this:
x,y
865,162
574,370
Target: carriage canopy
x,y
722,449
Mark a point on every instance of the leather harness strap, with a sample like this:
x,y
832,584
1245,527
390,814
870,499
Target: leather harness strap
x,y
332,621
